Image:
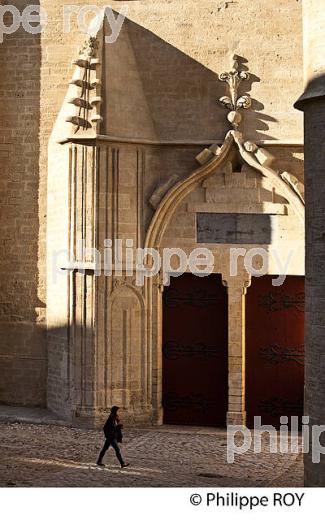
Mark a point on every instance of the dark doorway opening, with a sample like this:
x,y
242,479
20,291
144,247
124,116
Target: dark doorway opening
x,y
275,350
195,351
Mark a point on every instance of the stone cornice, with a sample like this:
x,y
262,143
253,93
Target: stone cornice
x,y
175,142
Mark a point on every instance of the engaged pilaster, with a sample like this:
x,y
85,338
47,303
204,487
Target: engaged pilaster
x,y
236,287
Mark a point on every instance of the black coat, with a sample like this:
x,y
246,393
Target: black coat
x,y
113,430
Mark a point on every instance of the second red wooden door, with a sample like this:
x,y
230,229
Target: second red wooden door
x,y
274,349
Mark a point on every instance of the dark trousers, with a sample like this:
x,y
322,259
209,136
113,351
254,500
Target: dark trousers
x,y
114,444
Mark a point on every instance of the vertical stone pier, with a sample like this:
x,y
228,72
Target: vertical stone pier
x,y
312,102
236,287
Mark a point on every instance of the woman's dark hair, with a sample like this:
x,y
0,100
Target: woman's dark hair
x,y
114,410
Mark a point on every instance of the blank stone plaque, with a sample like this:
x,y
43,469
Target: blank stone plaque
x,y
234,228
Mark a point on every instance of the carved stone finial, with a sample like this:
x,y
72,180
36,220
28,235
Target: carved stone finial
x,y
233,102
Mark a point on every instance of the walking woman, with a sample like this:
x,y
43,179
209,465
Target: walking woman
x,y
113,434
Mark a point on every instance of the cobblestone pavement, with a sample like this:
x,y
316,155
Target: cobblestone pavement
x,y
57,456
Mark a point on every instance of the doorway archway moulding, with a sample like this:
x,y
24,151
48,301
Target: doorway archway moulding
x,y
211,160
252,155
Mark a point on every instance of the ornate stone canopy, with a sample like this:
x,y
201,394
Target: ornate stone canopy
x,y
215,156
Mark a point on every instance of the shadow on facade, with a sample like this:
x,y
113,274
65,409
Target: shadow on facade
x,y
255,121
22,351
164,94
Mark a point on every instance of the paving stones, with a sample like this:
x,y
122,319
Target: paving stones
x,y
46,456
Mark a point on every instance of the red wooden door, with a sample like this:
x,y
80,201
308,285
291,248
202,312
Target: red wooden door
x,y
274,349
195,346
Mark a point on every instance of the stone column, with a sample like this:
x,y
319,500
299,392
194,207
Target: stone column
x,y
312,102
236,287
156,330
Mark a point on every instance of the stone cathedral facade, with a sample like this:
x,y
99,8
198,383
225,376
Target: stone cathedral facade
x,y
182,134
